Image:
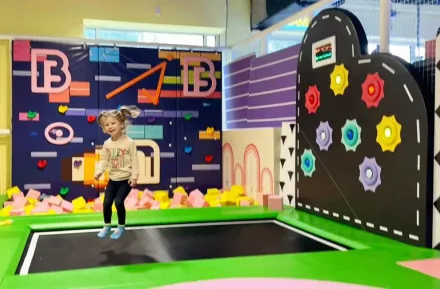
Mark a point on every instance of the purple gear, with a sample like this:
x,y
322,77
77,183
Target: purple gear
x,y
369,174
324,135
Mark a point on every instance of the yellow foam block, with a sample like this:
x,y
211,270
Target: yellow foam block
x,y
79,203
231,197
161,196
140,194
28,209
59,197
101,197
239,199
31,201
214,203
114,208
12,191
237,190
212,197
82,210
40,214
164,205
213,192
256,203
180,190
5,211
51,212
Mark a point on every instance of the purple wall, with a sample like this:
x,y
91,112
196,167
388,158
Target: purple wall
x,y
261,92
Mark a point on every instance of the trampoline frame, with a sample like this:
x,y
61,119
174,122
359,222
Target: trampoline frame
x,y
15,238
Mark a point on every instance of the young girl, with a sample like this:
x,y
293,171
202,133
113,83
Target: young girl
x,y
120,154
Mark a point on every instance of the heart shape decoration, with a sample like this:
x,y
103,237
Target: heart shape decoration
x,y
31,114
365,137
188,149
91,119
64,191
151,120
208,159
187,116
42,164
77,163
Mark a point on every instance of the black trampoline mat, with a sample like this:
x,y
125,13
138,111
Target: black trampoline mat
x,y
82,249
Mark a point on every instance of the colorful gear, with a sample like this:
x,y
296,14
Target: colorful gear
x,y
324,136
313,99
339,79
369,174
351,135
388,133
372,90
308,163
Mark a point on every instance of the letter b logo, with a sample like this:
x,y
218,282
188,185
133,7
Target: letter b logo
x,y
49,78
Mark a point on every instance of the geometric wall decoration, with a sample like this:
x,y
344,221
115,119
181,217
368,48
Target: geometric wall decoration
x,y
287,176
364,138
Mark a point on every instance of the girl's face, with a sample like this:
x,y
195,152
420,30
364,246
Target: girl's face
x,y
112,126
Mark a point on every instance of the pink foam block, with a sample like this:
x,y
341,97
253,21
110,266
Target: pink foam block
x,y
20,202
17,196
155,207
44,205
7,204
40,209
245,203
145,202
194,195
148,193
66,206
99,201
179,199
52,200
130,202
98,206
17,212
33,194
44,202
131,207
276,203
199,203
57,209
134,194
266,199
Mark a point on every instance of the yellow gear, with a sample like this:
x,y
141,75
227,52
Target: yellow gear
x,y
339,79
388,133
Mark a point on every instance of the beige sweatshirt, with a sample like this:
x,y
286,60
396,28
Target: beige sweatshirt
x,y
122,159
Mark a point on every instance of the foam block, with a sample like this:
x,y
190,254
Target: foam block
x,y
266,199
130,202
56,209
145,202
212,192
134,194
161,196
40,210
147,193
238,190
17,196
275,202
33,194
12,191
67,206
28,209
194,195
244,203
180,190
179,199
79,203
199,203
98,206
17,212
20,202
52,200
164,205
7,204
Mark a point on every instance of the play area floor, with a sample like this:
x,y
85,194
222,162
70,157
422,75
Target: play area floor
x,y
230,247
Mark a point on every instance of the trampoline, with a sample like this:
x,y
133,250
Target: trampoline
x,y
81,249
165,247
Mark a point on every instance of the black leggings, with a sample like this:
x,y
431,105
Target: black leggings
x,y
116,191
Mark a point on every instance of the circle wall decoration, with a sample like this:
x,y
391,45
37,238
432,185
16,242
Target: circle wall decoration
x,y
308,163
60,141
369,174
324,135
339,79
351,135
373,90
388,133
313,99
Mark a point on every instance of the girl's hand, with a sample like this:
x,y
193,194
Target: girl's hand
x,y
132,183
97,176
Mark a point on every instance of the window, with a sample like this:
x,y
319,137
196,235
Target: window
x,y
151,37
211,41
276,44
402,51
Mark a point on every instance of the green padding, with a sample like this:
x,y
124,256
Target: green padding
x,y
375,266
3,199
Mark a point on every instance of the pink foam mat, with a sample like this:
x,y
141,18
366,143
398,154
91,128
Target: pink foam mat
x,y
429,267
264,283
